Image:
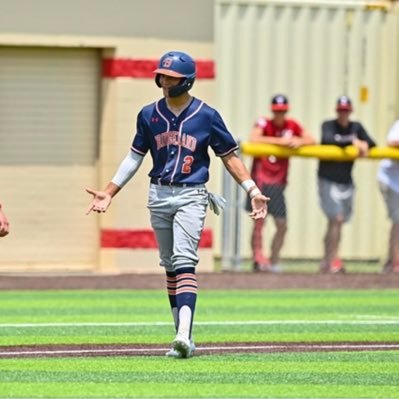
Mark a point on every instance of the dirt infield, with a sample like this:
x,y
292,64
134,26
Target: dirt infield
x,y
223,280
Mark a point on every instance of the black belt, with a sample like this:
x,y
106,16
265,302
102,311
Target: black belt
x,y
154,180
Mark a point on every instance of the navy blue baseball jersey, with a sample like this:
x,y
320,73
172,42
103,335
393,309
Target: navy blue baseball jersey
x,y
179,144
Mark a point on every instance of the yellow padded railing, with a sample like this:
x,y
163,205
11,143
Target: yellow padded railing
x,y
324,152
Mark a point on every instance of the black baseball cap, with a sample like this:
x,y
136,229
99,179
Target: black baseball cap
x,y
344,103
279,103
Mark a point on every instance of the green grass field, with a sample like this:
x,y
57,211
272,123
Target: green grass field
x,y
121,316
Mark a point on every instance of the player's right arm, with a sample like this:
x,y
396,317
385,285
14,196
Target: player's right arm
x,y
127,169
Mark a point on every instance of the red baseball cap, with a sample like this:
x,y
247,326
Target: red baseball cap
x,y
344,104
279,103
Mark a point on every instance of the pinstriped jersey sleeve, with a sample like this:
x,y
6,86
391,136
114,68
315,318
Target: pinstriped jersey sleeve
x,y
221,140
141,143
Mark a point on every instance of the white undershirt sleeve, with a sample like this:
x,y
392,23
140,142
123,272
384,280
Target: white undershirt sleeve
x,y
127,169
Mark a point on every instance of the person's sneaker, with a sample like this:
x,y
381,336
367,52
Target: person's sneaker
x,y
276,268
182,346
336,266
173,353
261,264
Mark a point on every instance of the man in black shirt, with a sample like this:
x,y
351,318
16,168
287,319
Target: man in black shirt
x,y
336,188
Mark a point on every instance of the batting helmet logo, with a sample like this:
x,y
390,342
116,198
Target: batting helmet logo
x,y
167,62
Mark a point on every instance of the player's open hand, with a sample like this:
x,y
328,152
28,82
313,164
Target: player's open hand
x,y
259,206
101,201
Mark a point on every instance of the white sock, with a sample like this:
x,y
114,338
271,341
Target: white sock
x,y
185,315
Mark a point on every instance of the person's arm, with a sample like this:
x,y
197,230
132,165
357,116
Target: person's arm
x,y
393,143
4,224
393,135
303,138
306,138
364,136
363,141
328,135
239,172
256,136
127,169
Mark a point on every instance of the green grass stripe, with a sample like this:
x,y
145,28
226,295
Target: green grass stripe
x,y
320,362
151,306
359,360
145,306
203,333
259,378
176,390
290,375
165,337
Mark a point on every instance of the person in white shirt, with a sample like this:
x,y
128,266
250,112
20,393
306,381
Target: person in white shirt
x,y
388,178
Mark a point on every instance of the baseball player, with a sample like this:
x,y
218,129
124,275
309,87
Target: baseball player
x,y
177,130
270,174
335,184
4,224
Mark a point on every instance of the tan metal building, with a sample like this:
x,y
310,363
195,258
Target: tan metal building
x,y
70,90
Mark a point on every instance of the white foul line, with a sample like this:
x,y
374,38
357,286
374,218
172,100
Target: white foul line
x,y
200,323
290,348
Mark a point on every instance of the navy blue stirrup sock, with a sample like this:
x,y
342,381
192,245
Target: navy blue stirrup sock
x,y
171,288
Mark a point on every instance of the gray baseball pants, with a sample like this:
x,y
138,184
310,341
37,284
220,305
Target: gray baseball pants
x,y
177,217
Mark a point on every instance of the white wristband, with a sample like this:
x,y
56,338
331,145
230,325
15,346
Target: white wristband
x,y
248,184
254,192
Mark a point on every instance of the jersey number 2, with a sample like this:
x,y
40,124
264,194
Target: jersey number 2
x,y
188,161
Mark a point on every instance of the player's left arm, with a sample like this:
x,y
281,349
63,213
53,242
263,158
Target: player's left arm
x,y
240,173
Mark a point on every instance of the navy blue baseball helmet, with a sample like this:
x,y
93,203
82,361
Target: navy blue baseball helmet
x,y
178,65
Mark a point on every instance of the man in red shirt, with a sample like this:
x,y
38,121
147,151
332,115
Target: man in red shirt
x,y
270,174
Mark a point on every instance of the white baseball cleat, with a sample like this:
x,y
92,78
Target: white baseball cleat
x,y
182,348
173,353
